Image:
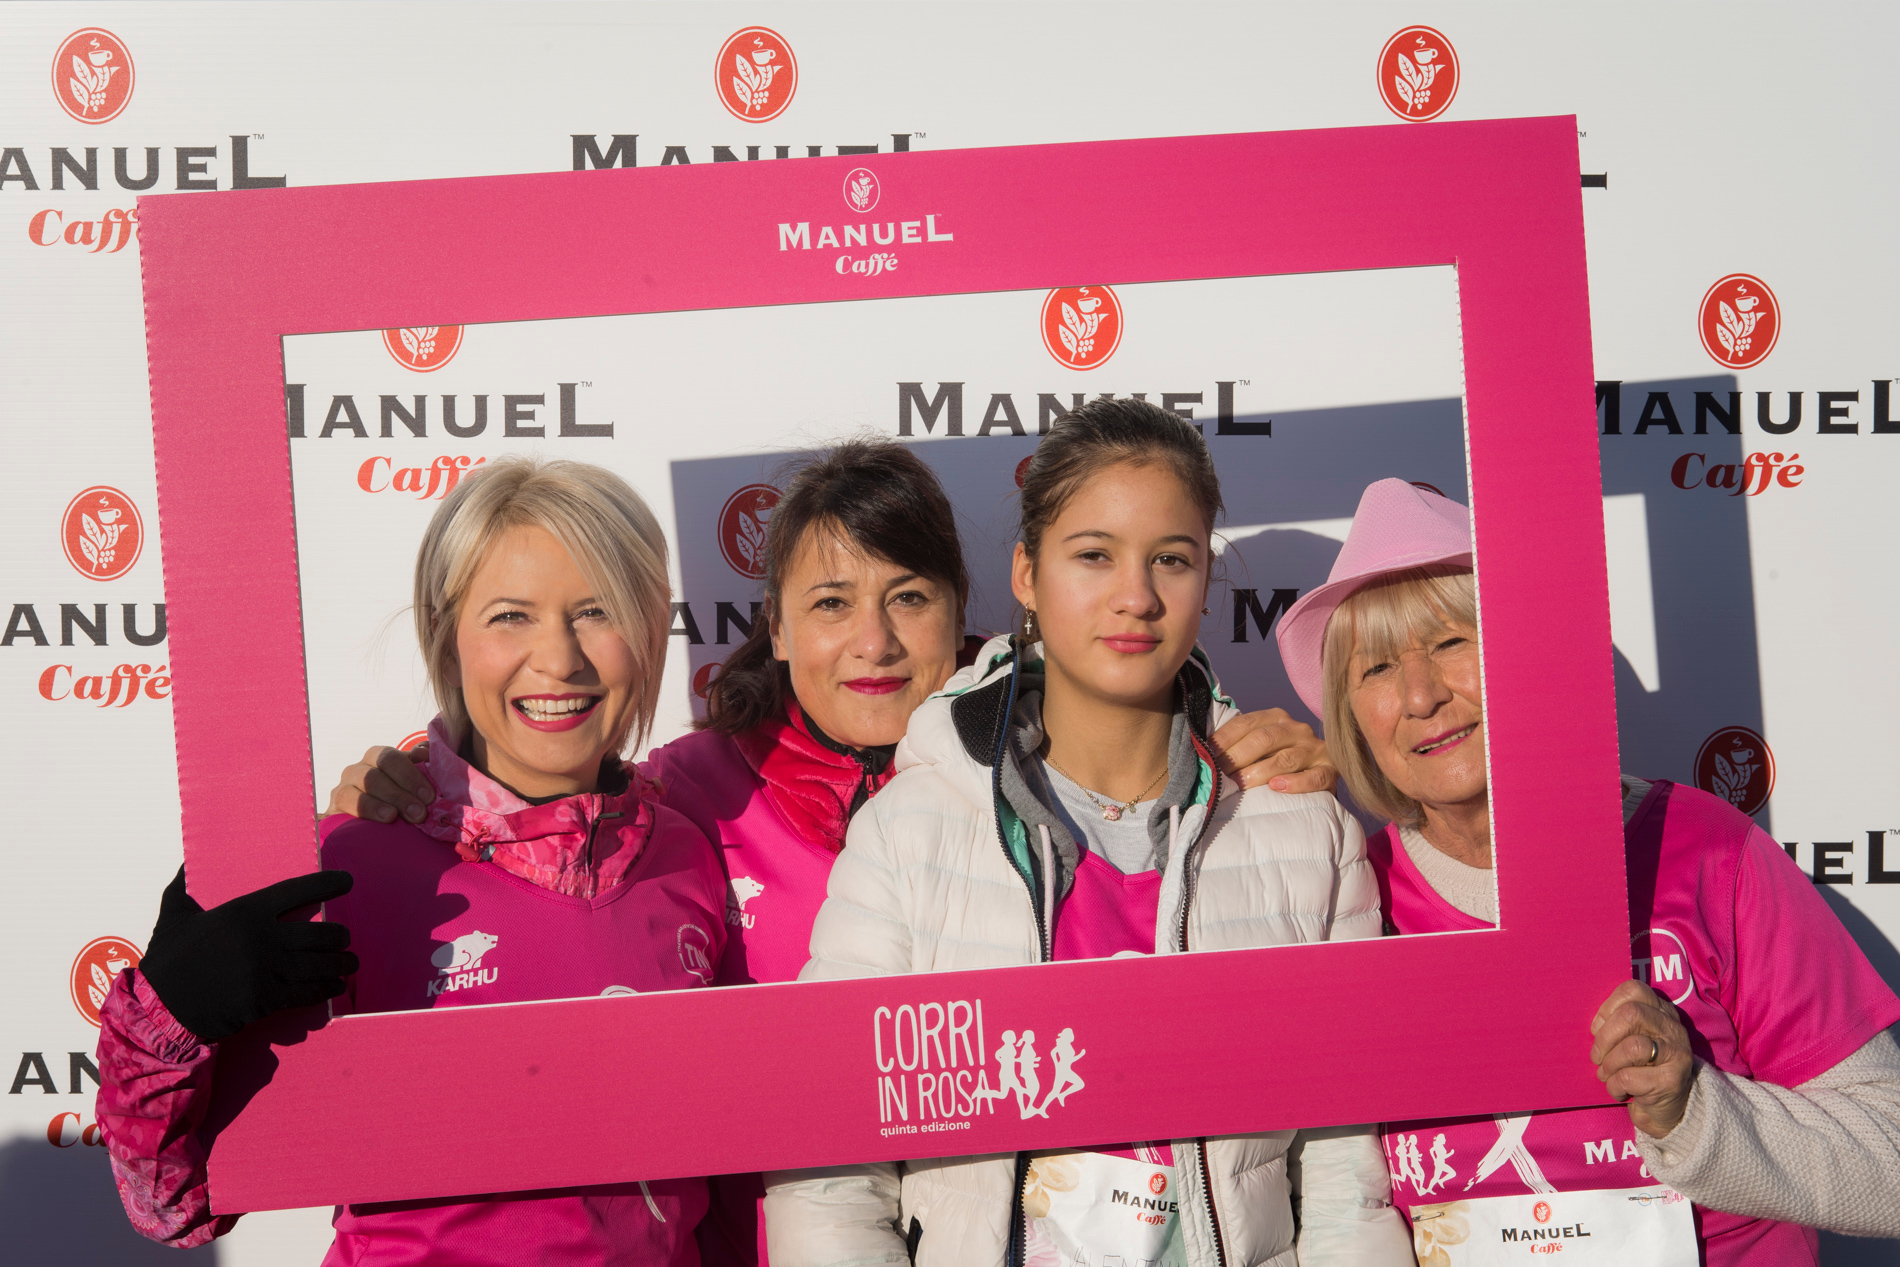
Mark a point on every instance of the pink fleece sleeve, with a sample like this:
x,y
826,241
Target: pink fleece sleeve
x,y
154,1089
1803,995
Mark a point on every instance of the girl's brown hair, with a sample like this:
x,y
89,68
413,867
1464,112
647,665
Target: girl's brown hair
x,y
1106,433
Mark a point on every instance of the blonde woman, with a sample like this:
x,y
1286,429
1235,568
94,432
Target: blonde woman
x,y
1761,1084
541,604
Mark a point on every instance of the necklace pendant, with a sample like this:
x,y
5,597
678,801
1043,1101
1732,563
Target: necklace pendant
x,y
1112,813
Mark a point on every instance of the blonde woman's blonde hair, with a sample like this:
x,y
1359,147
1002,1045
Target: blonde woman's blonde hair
x,y
605,526
1394,612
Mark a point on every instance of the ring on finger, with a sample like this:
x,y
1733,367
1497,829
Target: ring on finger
x,y
1655,1052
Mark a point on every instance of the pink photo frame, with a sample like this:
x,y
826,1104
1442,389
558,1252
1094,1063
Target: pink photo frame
x,y
543,1095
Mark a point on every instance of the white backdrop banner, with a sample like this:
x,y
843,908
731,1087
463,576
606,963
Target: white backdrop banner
x,y
1738,214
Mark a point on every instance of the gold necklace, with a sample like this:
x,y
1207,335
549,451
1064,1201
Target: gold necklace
x,y
1110,810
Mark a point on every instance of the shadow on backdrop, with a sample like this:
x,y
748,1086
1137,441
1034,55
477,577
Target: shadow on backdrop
x,y
59,1205
1702,588
1313,466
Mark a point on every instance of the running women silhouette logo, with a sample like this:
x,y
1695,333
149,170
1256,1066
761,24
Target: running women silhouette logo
x,y
1017,1066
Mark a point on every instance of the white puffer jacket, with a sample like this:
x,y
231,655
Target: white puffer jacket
x,y
939,874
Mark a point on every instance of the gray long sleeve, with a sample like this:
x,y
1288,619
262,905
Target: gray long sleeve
x,y
1825,1154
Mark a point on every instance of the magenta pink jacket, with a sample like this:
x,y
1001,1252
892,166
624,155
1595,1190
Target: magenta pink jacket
x,y
776,802
594,851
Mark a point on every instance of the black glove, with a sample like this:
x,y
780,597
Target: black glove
x,y
216,971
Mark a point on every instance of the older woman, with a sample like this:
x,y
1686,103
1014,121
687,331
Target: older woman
x,y
1765,1089
542,868
863,620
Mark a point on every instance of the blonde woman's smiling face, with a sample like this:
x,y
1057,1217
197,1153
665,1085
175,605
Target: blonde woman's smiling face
x,y
549,683
1421,711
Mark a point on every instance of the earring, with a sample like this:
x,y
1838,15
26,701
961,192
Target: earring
x,y
1030,630
1206,612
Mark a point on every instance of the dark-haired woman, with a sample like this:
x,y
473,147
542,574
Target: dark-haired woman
x,y
864,593
1060,801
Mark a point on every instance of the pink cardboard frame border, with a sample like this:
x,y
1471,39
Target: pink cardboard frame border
x,y
542,1095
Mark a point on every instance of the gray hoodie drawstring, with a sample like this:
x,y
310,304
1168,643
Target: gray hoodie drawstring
x,y
1048,886
651,1203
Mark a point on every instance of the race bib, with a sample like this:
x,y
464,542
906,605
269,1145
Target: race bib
x,y
1628,1227
1099,1210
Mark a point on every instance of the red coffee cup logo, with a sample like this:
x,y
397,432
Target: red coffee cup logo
x,y
1081,325
94,970
92,75
1541,1211
1157,1184
102,533
742,528
423,348
861,190
1739,321
755,74
1418,74
1735,764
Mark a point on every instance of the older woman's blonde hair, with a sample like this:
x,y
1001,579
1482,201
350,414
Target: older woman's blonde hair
x,y
605,526
1396,611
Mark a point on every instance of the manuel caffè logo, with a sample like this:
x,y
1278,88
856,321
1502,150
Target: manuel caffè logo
x,y
1418,74
755,74
92,75
742,528
1739,321
95,968
102,533
1735,764
1081,325
423,348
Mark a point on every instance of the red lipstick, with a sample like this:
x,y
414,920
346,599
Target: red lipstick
x,y
876,685
553,712
1131,644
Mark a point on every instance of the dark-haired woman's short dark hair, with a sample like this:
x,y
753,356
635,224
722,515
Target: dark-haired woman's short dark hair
x,y
884,500
1106,433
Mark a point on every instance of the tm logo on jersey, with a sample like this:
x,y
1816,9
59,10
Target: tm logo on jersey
x,y
458,963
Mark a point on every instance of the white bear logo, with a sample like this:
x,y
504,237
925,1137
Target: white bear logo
x,y
744,889
464,953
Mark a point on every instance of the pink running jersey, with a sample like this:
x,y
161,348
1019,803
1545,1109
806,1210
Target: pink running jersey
x,y
434,931
1769,984
1106,912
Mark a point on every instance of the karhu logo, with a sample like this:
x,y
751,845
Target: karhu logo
x,y
743,888
458,963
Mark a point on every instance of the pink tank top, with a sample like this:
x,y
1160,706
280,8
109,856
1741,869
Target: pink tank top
x,y
433,931
1768,982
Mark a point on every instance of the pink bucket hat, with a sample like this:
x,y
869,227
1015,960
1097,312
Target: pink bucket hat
x,y
1397,526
